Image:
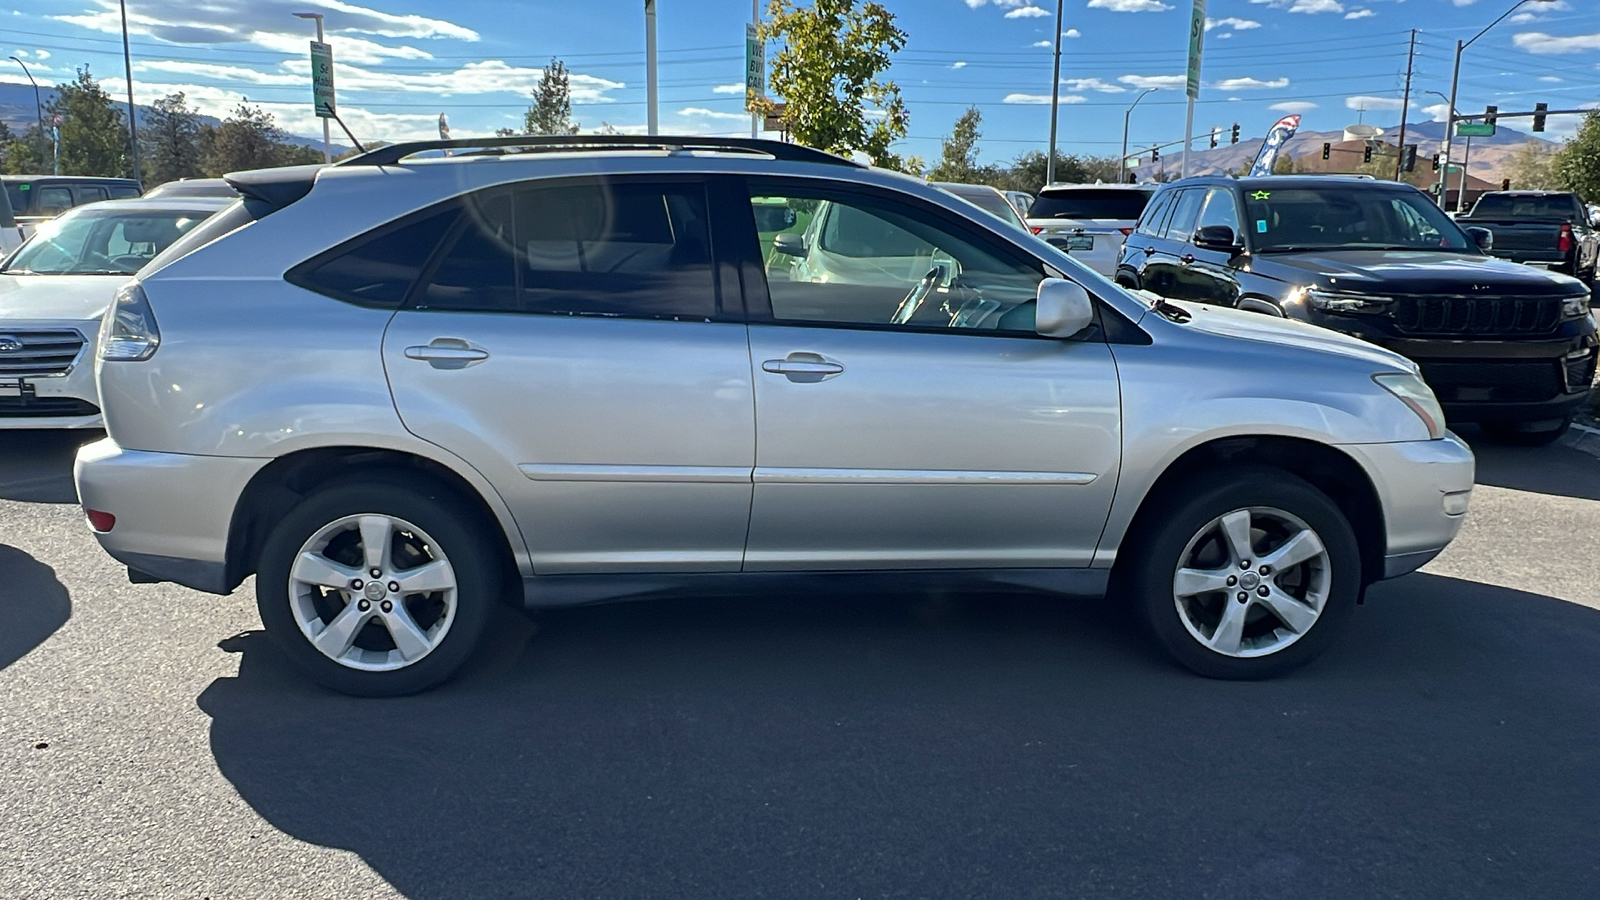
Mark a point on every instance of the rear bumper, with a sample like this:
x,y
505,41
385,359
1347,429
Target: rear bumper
x,y
1424,488
173,511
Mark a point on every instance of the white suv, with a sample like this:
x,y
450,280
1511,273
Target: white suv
x,y
401,389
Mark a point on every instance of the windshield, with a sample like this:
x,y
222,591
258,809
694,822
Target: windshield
x,y
1081,203
1343,216
100,242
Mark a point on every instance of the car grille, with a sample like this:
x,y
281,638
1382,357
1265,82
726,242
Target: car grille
x,y
1487,316
29,406
1466,382
38,353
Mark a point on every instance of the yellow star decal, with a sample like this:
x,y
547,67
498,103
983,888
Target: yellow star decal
x,y
1261,195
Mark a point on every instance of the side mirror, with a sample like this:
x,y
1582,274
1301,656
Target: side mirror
x,y
1483,237
1216,237
1063,308
789,244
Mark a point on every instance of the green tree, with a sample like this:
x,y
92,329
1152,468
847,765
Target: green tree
x,y
958,155
170,141
1027,171
1577,166
1532,167
251,139
827,74
94,137
551,109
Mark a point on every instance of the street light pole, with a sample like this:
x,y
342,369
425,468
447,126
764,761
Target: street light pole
x,y
1450,124
127,69
1055,101
327,145
38,105
1123,159
652,114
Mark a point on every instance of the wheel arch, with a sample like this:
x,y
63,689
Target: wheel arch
x,y
1325,467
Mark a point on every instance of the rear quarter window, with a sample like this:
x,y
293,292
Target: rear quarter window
x,y
378,268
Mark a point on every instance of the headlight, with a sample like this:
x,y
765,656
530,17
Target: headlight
x,y
1343,302
1415,393
1573,307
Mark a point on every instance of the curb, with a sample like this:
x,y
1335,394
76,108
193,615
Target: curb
x,y
1583,438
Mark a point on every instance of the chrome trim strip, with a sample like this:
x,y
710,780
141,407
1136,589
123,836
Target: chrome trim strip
x,y
769,475
636,474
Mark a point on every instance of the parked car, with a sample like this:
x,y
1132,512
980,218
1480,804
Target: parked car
x,y
1549,229
1505,345
11,235
986,198
55,289
40,198
1089,221
1020,201
569,377
194,187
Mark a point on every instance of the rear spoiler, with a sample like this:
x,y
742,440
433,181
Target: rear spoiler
x,y
278,187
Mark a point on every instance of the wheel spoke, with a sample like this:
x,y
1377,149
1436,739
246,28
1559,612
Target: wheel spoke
x,y
408,638
375,538
1230,629
339,634
427,578
314,568
1190,582
1303,546
1236,528
1297,616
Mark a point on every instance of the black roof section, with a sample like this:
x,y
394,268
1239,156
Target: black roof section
x,y
277,187
393,154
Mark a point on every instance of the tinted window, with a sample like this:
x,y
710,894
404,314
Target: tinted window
x,y
124,193
477,271
1511,206
91,194
378,269
18,191
1327,217
1220,210
1184,214
1088,203
53,201
615,248
1151,220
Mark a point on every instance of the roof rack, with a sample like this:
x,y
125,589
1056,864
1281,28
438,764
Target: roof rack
x,y
394,153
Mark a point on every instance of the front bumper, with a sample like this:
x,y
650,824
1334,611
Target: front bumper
x,y
67,399
173,510
1424,487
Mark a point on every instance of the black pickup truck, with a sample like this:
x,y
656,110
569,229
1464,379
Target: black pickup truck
x,y
1549,229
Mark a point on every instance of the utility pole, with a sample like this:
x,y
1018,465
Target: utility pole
x,y
1405,104
38,105
652,113
1055,101
127,69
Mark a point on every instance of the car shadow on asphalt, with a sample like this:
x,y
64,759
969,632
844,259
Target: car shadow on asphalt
x,y
953,746
33,604
36,466
1553,469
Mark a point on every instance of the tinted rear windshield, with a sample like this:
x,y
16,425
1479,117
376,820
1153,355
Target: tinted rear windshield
x,y
1089,204
1513,207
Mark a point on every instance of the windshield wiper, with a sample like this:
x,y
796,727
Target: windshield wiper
x,y
1169,311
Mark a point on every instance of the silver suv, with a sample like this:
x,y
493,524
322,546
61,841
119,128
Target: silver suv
x,y
402,389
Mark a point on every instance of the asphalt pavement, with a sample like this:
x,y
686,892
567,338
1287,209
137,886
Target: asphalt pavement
x,y
154,744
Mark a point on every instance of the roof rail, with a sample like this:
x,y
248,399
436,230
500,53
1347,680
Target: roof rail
x,y
394,153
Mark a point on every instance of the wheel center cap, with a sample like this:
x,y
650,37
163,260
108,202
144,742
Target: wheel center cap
x,y
1249,581
374,590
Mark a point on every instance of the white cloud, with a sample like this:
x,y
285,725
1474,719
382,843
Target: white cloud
x,y
1232,22
1071,33
1534,14
1129,5
231,21
1463,2
958,64
728,89
1359,14
1002,4
1369,102
1042,44
1436,111
699,112
1092,84
1539,42
1250,84
1305,6
1296,107
1043,99
1026,12
1553,79
486,77
1154,81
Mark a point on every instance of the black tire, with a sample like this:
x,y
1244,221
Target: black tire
x,y
1517,435
461,538
1151,560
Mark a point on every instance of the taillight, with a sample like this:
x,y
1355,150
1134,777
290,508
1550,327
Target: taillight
x,y
1564,242
1125,231
128,331
1035,230
100,521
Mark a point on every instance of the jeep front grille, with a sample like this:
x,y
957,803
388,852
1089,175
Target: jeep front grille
x,y
1476,316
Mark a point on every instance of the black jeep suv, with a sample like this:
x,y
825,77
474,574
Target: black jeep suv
x,y
1504,345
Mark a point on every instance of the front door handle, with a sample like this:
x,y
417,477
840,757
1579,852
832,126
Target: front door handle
x,y
1149,250
448,353
803,368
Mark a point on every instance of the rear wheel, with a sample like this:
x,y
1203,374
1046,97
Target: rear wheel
x,y
376,589
1527,434
1248,578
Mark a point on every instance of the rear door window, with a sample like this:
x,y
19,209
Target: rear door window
x,y
123,193
91,193
1151,220
1184,214
52,201
1090,203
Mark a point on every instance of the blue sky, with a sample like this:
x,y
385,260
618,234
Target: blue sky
x,y
402,62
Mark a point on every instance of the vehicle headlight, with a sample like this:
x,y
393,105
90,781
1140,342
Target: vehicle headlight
x,y
1344,301
1414,392
1573,307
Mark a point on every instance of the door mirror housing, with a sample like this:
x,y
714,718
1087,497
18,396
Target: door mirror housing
x,y
1217,237
789,244
1483,237
1063,308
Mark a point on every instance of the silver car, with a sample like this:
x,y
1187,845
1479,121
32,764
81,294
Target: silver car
x,y
1089,221
404,388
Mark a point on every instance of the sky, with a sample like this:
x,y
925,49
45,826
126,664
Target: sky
x,y
400,63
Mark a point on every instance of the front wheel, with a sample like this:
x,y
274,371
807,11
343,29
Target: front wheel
x,y
376,589
1247,578
1527,434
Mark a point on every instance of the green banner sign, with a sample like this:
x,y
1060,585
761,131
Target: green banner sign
x,y
322,80
1197,33
755,66
1474,129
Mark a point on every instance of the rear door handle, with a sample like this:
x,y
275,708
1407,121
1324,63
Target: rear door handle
x,y
448,353
804,368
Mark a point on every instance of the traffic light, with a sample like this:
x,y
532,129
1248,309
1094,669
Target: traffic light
x,y
1505,184
1155,153
1408,158
1366,154
1538,115
1436,162
1214,133
1235,138
1489,114
1327,149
